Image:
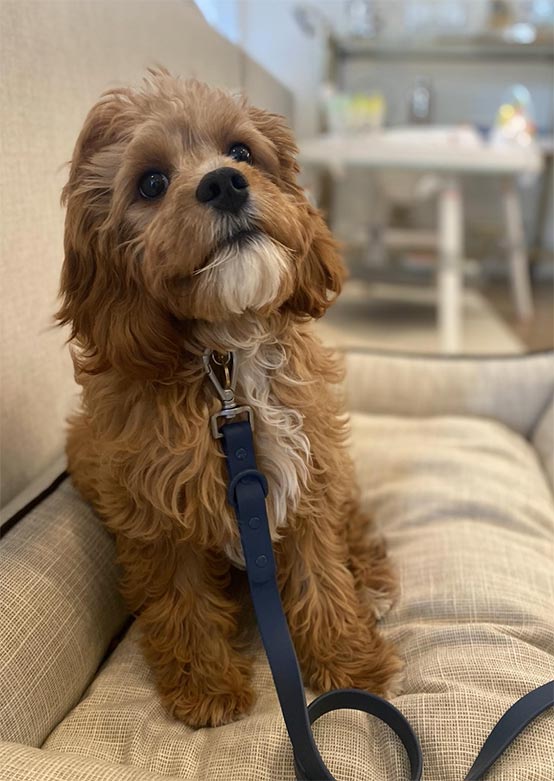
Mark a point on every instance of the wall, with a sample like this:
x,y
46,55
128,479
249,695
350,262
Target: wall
x,y
269,33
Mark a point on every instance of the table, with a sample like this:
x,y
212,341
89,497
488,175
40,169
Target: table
x,y
451,153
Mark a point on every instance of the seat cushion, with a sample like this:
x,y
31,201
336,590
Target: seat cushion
x,y
469,520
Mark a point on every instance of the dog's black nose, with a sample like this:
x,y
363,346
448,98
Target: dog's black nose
x,y
225,189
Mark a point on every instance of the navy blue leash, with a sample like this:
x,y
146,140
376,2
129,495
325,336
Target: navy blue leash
x,y
514,721
246,493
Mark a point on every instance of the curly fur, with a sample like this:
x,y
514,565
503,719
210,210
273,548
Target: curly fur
x,y
146,287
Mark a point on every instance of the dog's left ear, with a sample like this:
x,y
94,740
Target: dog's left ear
x,y
320,273
275,128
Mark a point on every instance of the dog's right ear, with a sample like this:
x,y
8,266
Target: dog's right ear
x,y
87,196
105,124
113,318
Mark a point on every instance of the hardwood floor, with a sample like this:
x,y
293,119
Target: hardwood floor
x,y
536,334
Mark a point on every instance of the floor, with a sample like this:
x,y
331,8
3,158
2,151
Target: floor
x,y
537,334
376,314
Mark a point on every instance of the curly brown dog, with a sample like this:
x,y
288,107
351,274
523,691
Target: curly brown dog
x,y
186,230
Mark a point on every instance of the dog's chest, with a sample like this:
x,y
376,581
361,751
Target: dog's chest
x,y
282,447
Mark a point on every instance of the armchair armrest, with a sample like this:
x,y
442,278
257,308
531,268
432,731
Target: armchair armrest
x,y
60,609
512,389
543,440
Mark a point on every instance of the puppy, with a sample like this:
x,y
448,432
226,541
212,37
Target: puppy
x,y
186,230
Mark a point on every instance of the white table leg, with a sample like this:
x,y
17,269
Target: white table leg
x,y
449,275
519,269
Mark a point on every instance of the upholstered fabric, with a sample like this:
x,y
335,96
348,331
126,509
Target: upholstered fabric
x,y
59,609
56,58
543,439
512,389
32,492
469,520
23,763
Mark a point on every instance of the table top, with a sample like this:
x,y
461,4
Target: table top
x,y
440,149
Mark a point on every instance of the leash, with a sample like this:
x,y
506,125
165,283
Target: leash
x,y
246,493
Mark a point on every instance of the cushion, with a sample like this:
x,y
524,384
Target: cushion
x,y
23,763
469,520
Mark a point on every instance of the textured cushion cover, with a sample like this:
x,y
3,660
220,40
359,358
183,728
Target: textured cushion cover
x,y
469,519
59,611
543,439
511,389
23,763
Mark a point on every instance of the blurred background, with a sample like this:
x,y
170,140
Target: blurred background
x,y
425,130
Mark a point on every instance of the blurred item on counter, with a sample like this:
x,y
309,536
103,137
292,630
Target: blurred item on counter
x,y
515,119
352,113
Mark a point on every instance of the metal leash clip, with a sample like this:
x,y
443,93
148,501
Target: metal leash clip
x,y
228,364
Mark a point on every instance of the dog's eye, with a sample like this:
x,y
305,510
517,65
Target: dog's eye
x,y
153,185
240,153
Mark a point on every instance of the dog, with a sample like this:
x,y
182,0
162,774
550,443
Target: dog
x,y
186,230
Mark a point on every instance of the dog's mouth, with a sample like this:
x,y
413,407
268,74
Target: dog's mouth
x,y
237,241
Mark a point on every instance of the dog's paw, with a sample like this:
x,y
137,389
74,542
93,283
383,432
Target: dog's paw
x,y
386,683
364,661
380,602
214,709
394,687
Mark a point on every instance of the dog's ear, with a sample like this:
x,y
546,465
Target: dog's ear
x,y
108,122
275,128
112,316
320,274
87,197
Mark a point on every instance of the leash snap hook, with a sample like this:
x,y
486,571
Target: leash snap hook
x,y
228,364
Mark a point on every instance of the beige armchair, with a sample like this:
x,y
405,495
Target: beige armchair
x,y
455,459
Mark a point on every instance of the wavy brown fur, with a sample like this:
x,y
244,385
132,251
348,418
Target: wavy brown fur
x,y
140,449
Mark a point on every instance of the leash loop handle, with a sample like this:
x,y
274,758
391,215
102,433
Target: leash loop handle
x,y
373,705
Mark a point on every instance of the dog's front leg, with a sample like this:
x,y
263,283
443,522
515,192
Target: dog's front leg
x,y
333,626
189,628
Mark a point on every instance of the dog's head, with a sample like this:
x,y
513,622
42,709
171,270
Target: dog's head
x,y
182,205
